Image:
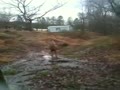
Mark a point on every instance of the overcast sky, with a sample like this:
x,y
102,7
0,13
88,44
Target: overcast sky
x,y
70,9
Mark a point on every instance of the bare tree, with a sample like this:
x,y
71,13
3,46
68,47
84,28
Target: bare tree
x,y
115,4
30,13
82,18
98,12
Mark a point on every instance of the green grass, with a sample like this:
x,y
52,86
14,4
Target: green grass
x,y
104,42
10,71
42,74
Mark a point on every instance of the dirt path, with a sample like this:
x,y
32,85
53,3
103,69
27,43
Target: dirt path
x,y
33,72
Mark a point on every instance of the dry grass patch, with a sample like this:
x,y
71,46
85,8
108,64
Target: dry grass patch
x,y
5,58
71,43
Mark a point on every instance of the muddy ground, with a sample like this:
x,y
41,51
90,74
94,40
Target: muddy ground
x,y
33,72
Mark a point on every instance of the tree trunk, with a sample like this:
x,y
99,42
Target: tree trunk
x,y
29,25
83,27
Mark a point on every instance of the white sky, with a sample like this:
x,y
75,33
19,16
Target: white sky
x,y
71,9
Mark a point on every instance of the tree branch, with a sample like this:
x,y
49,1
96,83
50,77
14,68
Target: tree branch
x,y
112,3
29,2
54,8
29,13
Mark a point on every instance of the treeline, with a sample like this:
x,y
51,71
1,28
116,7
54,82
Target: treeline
x,y
42,23
101,16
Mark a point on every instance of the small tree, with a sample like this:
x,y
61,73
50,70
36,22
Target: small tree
x,y
53,20
4,19
43,23
60,20
70,21
82,18
76,24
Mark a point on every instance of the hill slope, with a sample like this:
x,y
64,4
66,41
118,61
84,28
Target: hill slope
x,y
91,46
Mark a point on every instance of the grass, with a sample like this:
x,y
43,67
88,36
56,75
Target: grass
x,y
93,47
103,46
19,42
103,42
58,78
72,44
9,46
6,36
10,71
43,74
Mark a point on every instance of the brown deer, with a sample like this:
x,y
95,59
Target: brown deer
x,y
53,47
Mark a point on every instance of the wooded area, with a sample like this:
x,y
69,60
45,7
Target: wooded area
x,y
97,15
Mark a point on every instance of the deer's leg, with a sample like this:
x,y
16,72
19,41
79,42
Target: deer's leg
x,y
56,56
52,54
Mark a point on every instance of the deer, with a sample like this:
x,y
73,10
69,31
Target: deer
x,y
53,47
